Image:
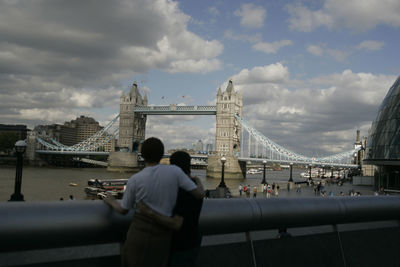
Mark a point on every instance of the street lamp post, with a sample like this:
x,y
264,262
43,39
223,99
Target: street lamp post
x,y
20,147
291,172
222,183
310,166
265,166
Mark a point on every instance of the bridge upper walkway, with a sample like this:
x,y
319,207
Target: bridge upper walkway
x,y
176,110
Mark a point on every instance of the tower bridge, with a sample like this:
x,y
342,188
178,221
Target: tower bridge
x,y
236,139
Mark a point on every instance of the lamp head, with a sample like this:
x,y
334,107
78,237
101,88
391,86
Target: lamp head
x,y
264,162
20,146
223,160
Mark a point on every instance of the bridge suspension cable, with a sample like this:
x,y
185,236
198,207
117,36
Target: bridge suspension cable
x,y
92,143
284,154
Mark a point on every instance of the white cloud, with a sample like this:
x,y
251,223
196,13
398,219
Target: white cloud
x,y
82,99
252,38
271,48
362,88
371,45
190,130
252,16
315,50
322,113
213,11
303,19
62,55
356,15
46,114
336,54
262,74
197,66
342,55
185,52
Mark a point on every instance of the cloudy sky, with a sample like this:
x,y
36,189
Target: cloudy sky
x,y
311,72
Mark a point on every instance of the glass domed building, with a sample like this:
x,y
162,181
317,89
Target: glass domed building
x,y
383,146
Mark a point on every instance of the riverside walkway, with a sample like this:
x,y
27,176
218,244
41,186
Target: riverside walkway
x,y
307,191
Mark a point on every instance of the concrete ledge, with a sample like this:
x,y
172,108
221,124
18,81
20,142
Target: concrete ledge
x,y
375,245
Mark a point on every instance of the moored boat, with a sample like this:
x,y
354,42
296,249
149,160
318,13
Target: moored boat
x,y
254,171
98,188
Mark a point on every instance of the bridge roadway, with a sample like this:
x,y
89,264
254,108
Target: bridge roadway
x,y
313,163
204,157
71,152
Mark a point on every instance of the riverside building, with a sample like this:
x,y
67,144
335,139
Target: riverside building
x,y
383,145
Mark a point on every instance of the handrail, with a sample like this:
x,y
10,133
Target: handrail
x,y
38,225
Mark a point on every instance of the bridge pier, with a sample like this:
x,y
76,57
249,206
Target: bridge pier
x,y
233,168
123,161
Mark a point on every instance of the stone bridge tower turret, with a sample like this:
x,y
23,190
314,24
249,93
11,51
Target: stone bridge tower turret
x,y
228,133
132,126
228,130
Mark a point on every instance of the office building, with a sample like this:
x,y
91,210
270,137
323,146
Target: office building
x,y
383,145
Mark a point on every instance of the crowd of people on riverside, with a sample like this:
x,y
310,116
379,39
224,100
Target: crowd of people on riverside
x,y
319,188
167,201
266,189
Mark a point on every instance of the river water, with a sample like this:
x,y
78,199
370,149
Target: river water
x,y
48,184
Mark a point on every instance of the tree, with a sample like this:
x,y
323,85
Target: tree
x,y
7,142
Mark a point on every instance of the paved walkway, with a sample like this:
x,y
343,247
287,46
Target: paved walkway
x,y
308,191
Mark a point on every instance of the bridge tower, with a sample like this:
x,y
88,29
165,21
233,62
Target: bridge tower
x,y
132,127
228,134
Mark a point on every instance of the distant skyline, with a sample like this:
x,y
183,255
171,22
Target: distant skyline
x,y
311,72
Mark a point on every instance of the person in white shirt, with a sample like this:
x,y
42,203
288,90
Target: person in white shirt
x,y
155,188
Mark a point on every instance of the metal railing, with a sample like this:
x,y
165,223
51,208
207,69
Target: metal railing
x,y
39,225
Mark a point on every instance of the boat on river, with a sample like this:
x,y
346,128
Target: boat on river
x,y
109,184
98,188
254,171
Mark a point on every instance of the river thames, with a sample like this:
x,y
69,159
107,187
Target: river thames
x,y
49,184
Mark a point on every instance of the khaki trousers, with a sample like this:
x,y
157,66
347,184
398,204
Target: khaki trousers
x,y
147,243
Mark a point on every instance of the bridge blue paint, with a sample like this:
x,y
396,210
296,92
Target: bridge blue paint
x,y
176,110
72,152
301,162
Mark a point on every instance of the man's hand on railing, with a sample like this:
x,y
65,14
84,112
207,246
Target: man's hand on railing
x,y
109,199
